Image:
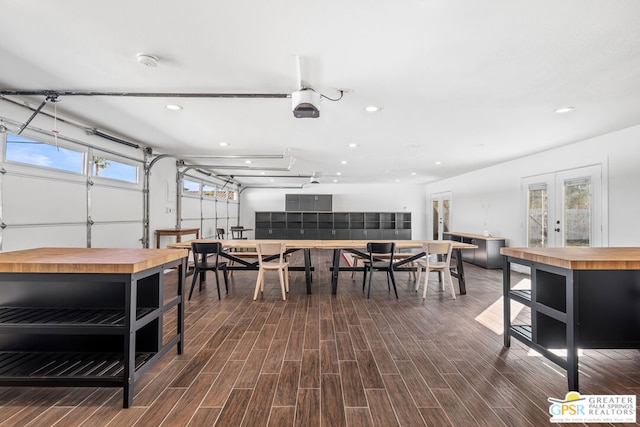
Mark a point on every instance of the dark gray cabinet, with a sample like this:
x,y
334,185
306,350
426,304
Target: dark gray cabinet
x,y
308,202
333,225
488,253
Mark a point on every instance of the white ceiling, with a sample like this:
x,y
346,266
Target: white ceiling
x,y
468,83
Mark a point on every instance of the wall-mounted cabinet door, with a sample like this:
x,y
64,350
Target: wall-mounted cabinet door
x,y
292,202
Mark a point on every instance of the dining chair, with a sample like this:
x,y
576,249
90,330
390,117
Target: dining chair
x,y
279,264
202,252
380,259
438,258
237,232
220,233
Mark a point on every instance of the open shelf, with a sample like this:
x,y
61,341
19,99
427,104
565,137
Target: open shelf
x,y
26,367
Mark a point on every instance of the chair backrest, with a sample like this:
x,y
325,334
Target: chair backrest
x,y
201,250
381,248
268,249
220,233
441,247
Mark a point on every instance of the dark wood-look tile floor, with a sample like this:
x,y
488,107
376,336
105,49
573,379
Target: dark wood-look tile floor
x,y
344,360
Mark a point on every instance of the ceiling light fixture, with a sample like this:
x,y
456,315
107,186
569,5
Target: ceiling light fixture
x,y
223,144
371,108
338,173
147,60
437,163
173,107
353,145
248,162
344,162
335,180
564,110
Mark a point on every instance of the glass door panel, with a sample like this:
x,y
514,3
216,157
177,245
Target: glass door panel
x,y
577,213
537,217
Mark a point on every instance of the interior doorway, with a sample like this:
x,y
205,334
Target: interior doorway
x,y
440,214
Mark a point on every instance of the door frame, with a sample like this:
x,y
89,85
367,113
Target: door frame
x,y
442,195
598,172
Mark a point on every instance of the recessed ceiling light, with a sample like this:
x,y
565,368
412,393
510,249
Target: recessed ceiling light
x,y
262,173
271,180
173,107
223,144
371,108
413,173
437,163
387,171
353,145
397,180
335,180
338,173
248,162
344,162
147,60
564,110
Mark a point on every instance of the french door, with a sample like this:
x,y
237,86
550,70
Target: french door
x,y
564,209
440,214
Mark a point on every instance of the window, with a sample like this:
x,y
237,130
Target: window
x,y
104,167
190,187
208,190
27,151
221,194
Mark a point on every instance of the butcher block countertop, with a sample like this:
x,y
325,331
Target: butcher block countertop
x,y
86,260
580,258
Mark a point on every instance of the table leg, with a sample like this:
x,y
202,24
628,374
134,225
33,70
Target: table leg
x,y
572,327
506,288
307,269
337,253
460,268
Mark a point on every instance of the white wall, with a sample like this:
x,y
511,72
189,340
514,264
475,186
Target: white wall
x,y
346,198
495,193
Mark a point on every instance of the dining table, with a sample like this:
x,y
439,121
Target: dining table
x,y
244,261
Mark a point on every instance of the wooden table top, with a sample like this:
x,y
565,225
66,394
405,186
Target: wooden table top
x,y
315,244
172,231
580,258
86,260
474,236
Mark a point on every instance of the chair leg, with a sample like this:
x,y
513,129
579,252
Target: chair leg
x,y
419,271
448,274
258,282
286,278
281,277
364,278
370,277
217,283
193,282
355,264
225,275
426,280
393,281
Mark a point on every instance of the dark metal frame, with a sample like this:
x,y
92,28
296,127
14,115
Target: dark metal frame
x,y
86,330
573,308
